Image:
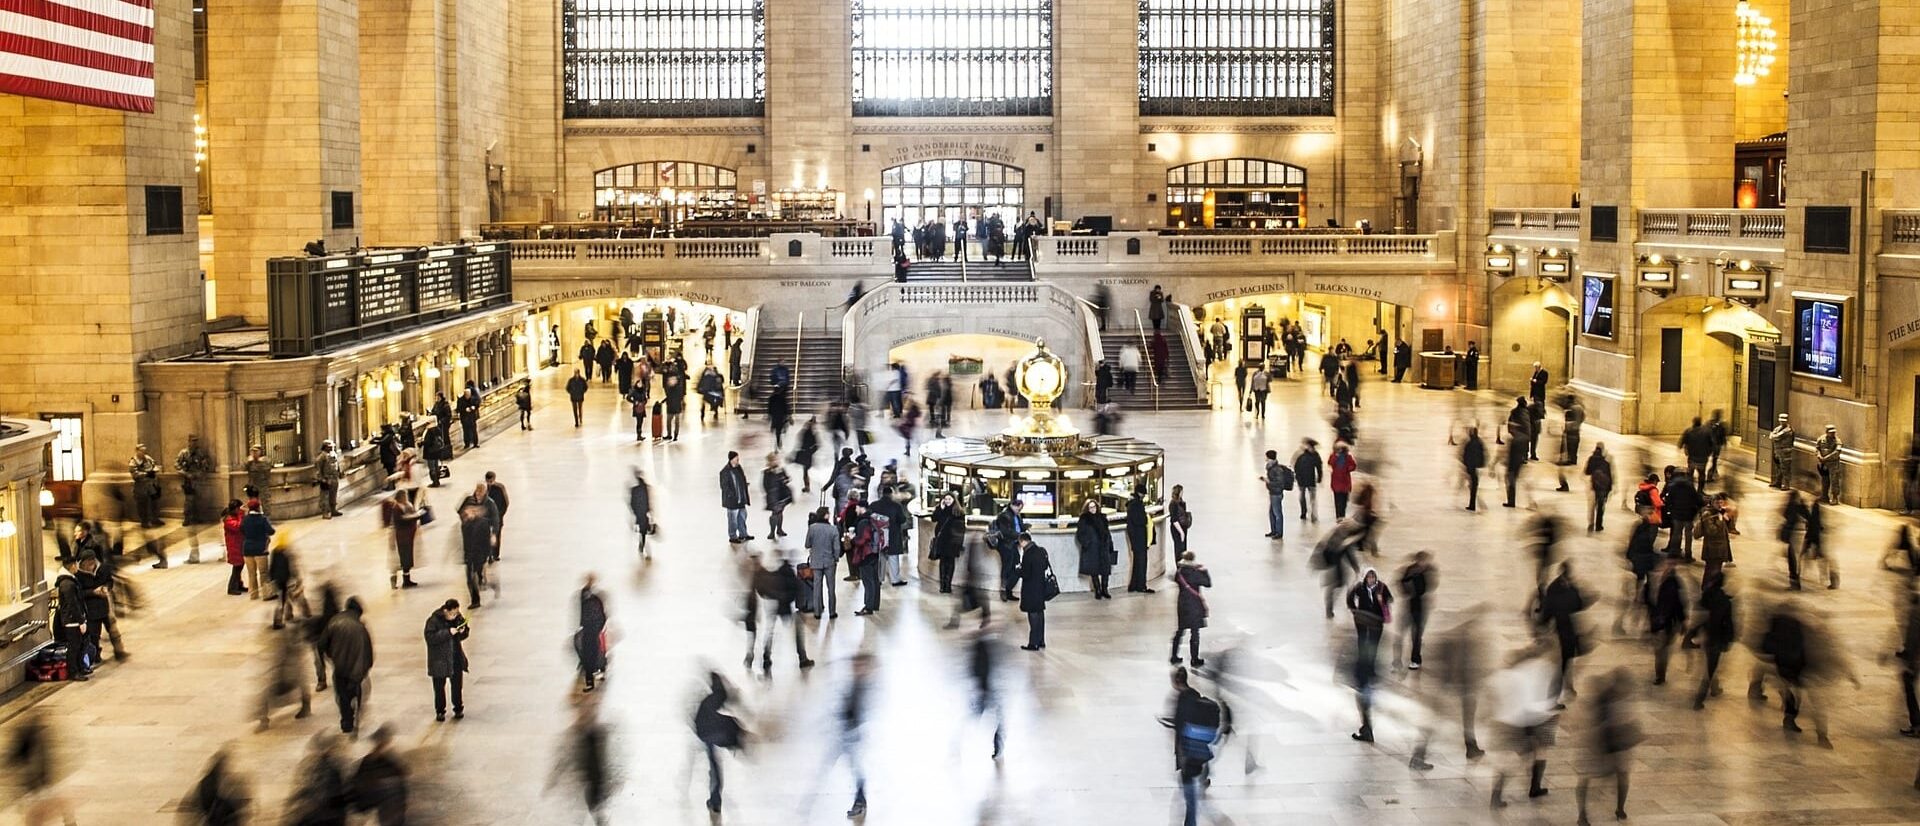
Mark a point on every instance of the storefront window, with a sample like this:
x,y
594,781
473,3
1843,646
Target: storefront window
x,y
280,426
66,462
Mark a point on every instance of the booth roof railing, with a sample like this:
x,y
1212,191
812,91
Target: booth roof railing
x,y
1759,227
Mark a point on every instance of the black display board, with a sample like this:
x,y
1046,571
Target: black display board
x,y
316,304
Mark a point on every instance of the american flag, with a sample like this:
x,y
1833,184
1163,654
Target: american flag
x,y
92,52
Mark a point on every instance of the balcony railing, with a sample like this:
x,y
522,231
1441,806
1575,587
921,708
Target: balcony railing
x,y
1902,232
1555,222
872,256
1767,227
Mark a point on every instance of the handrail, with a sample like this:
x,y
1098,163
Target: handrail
x,y
961,244
1096,347
1146,355
799,338
749,344
1190,335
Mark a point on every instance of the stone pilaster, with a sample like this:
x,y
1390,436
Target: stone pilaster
x,y
284,101
809,117
1096,112
406,106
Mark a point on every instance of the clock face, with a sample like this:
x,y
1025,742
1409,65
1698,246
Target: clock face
x,y
1042,378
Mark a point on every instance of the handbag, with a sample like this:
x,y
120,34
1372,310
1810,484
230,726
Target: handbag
x,y
426,514
1052,588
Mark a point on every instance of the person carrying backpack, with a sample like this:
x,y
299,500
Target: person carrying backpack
x,y
1199,723
1278,479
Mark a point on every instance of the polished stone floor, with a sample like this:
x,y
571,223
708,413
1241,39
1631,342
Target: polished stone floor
x,y
1083,745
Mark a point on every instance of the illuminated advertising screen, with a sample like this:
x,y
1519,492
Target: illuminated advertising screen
x,y
1038,497
1819,330
1596,306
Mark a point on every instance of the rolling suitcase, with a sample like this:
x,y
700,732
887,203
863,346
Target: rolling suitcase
x,y
659,421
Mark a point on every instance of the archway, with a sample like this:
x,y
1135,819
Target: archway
x,y
965,357
1695,359
925,322
1369,326
949,189
1532,322
666,192
1236,193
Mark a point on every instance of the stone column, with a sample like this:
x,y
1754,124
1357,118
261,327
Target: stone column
x,y
405,126
1852,108
86,291
1096,112
809,118
1656,98
284,102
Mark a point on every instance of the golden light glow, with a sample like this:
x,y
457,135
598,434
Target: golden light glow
x,y
1753,45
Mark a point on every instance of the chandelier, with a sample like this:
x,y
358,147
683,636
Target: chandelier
x,y
1753,45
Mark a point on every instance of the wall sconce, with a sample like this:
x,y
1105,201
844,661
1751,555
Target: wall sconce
x,y
1745,282
46,498
520,338
463,362
1554,263
1499,259
432,372
375,391
1656,274
7,530
395,385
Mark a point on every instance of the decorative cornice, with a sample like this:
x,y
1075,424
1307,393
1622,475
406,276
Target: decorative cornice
x,y
1218,128
742,130
923,128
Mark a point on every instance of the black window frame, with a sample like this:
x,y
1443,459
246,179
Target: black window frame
x,y
1236,69
340,212
165,210
1011,77
666,77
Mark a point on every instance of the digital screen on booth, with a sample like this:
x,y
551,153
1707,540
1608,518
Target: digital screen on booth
x,y
1038,498
1819,329
1596,305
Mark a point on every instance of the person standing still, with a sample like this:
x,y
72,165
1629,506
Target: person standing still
x,y
577,395
590,637
1192,611
823,558
1139,537
1094,537
1307,469
327,473
446,634
1599,472
1473,459
1260,383
1035,573
145,471
255,532
735,497
1780,445
523,401
1179,518
1278,479
1826,451
1004,536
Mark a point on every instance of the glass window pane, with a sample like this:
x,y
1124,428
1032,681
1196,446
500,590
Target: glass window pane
x,y
1236,57
664,58
890,177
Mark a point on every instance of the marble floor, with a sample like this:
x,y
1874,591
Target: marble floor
x,y
1083,745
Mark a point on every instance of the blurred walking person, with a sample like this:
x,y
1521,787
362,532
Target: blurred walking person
x,y
479,533
380,783
982,656
286,677
776,490
1459,670
640,504
322,795
1527,705
1372,607
31,760
590,637
771,602
716,730
1666,615
585,759
855,709
1611,735
1417,580
1717,620
350,653
219,798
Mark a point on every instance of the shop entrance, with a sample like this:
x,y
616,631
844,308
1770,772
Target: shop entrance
x,y
1370,328
661,327
1697,358
1532,322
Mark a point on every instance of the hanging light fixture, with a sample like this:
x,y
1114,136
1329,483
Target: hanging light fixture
x,y
1753,45
7,529
199,144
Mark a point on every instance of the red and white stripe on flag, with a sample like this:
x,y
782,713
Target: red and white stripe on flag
x,y
92,52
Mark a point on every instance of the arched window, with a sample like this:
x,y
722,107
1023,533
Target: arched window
x,y
664,58
1236,57
666,191
952,57
1236,193
950,189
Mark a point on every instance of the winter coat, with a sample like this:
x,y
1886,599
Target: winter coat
x,y
255,533
949,533
897,521
1680,502
1192,608
1034,567
1716,543
776,488
1307,468
1340,468
733,487
446,656
230,529
639,500
823,546
1137,525
1095,538
348,646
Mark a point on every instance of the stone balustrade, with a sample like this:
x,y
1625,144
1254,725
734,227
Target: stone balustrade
x,y
1556,224
1902,231
1760,228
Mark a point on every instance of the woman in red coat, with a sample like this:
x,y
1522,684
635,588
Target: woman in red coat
x,y
230,524
1340,468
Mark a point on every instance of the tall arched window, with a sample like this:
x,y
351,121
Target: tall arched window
x,y
1236,193
666,191
1236,57
664,58
952,57
947,190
